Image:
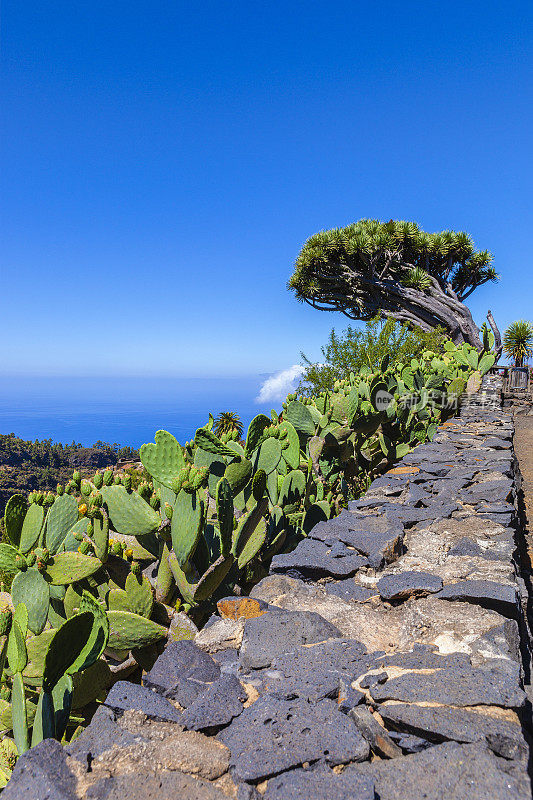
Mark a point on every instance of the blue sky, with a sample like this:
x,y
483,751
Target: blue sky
x,y
163,162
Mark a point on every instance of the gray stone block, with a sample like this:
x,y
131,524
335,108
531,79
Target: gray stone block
x,y
447,772
124,696
217,706
279,631
460,686
319,784
182,672
442,723
500,597
402,585
102,734
272,736
349,590
42,774
314,559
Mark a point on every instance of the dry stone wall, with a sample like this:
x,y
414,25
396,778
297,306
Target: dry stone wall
x,y
386,658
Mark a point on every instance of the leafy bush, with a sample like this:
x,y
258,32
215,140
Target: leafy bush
x,y
354,349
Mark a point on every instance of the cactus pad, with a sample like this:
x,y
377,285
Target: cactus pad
x,y
164,459
14,514
30,588
33,522
128,630
187,523
61,517
65,568
129,513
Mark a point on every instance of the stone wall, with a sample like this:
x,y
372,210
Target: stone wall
x,y
386,658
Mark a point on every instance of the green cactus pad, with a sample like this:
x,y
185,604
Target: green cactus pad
x,y
30,588
17,656
212,578
19,715
101,535
164,459
292,488
65,648
247,524
238,473
33,523
164,580
139,594
91,683
255,433
127,630
186,587
300,418
291,454
16,509
10,558
206,440
224,500
61,517
268,455
486,362
129,513
117,600
253,544
65,568
187,522
98,637
315,446
216,465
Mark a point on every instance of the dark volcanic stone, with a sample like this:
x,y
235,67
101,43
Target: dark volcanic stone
x,y
102,734
500,597
373,679
217,706
376,736
165,785
182,672
441,723
319,784
313,559
279,631
42,774
488,491
314,672
379,538
448,772
124,696
461,686
408,584
349,590
435,511
468,547
273,735
409,743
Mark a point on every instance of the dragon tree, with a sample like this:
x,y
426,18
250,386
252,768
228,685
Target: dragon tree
x,y
396,269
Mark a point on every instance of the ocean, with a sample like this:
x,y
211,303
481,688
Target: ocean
x,y
127,411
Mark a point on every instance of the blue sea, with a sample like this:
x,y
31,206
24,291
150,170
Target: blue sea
x,y
124,410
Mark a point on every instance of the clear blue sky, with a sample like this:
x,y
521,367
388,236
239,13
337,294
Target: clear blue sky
x,y
163,162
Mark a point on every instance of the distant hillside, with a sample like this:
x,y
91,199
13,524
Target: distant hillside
x,y
25,466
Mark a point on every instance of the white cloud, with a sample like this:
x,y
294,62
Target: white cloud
x,y
278,386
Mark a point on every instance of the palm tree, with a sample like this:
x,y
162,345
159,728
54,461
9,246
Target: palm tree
x,y
518,341
227,422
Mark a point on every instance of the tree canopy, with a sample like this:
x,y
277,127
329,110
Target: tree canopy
x,y
397,269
